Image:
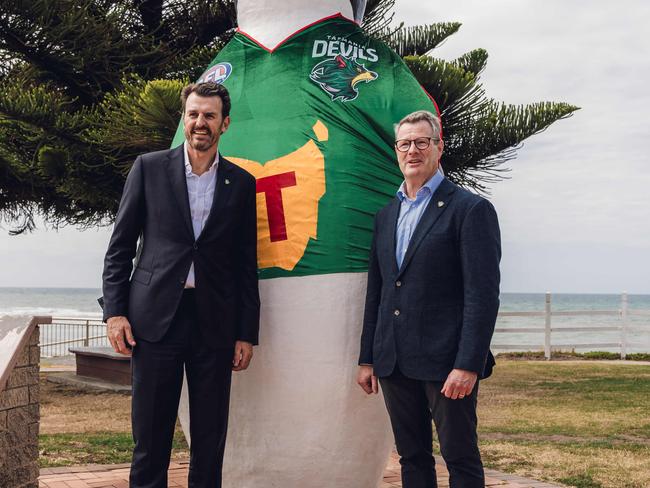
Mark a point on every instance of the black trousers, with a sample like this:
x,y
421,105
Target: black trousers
x,y
412,405
157,377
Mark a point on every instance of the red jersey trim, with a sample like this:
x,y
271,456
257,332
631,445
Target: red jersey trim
x,y
435,105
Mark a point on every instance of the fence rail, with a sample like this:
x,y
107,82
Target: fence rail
x,y
66,332
548,345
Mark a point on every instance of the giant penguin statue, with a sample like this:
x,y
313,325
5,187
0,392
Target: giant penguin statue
x,y
314,101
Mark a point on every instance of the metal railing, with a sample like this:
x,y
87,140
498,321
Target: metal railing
x,y
66,332
623,328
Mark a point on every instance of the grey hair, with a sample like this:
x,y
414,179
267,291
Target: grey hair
x,y
422,116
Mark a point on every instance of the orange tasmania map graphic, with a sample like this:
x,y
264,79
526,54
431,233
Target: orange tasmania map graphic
x,y
288,191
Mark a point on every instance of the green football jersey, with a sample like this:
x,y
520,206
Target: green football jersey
x,y
313,121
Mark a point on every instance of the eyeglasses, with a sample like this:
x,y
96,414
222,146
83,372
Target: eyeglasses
x,y
403,145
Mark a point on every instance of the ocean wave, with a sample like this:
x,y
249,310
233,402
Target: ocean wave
x,y
48,311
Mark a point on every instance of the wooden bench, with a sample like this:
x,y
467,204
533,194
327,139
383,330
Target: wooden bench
x,y
103,363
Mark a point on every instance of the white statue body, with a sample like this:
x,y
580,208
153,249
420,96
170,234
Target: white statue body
x,y
297,417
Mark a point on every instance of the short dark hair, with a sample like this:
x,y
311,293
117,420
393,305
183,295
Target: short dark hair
x,y
208,89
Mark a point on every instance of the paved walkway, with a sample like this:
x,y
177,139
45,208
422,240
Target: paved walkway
x,y
116,476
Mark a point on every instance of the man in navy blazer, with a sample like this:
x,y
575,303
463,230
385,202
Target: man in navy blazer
x,y
191,302
431,307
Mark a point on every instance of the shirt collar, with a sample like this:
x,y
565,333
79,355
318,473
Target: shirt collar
x,y
428,188
188,165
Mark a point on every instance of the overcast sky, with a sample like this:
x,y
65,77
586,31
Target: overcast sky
x,y
575,213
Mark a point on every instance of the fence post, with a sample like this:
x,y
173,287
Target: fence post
x,y
547,327
87,333
624,316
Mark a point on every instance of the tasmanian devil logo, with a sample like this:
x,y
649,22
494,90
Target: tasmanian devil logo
x,y
339,76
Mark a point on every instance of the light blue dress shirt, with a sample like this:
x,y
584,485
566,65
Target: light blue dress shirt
x,y
411,211
200,192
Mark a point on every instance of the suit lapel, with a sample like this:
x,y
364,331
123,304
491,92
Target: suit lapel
x,y
433,211
175,166
393,214
222,188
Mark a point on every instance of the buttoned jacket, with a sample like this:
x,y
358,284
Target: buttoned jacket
x,y
155,207
438,310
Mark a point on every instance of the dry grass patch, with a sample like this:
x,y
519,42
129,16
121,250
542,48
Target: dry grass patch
x,y
81,427
581,424
575,464
68,410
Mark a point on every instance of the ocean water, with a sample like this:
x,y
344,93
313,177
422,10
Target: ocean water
x,y
60,302
82,302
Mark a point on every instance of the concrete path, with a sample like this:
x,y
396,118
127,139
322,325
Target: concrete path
x,y
116,476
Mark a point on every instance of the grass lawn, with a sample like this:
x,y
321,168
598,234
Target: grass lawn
x,y
579,423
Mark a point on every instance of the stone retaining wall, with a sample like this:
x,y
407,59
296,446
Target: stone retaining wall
x,y
19,417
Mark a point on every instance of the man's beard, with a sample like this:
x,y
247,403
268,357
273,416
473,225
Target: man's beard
x,y
202,145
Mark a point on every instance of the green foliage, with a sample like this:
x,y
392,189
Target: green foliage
x,y
410,41
86,85
593,355
638,356
473,62
601,355
140,117
521,355
378,16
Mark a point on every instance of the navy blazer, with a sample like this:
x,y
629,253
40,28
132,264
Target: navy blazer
x,y
155,205
438,311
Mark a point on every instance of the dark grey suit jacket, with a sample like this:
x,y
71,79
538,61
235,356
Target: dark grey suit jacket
x,y
155,205
438,311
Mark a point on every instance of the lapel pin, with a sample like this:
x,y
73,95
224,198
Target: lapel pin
x,y
441,203
227,181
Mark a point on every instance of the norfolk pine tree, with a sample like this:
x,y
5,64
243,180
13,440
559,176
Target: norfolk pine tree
x,y
87,85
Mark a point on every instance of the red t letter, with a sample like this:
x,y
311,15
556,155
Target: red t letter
x,y
272,187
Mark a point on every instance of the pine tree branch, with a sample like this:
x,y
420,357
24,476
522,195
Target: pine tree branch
x,y
444,81
151,13
418,40
41,107
473,61
378,16
476,155
11,41
141,117
197,23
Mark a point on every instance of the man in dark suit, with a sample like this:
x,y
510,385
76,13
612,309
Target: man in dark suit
x,y
431,307
191,302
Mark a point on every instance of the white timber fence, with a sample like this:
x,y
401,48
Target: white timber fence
x,y
622,331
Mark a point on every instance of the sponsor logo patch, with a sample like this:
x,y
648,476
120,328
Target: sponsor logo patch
x,y
217,73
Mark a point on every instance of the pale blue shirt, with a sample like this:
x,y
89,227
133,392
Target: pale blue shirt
x,y
200,192
410,213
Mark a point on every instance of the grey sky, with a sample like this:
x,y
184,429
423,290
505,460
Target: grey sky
x,y
574,215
